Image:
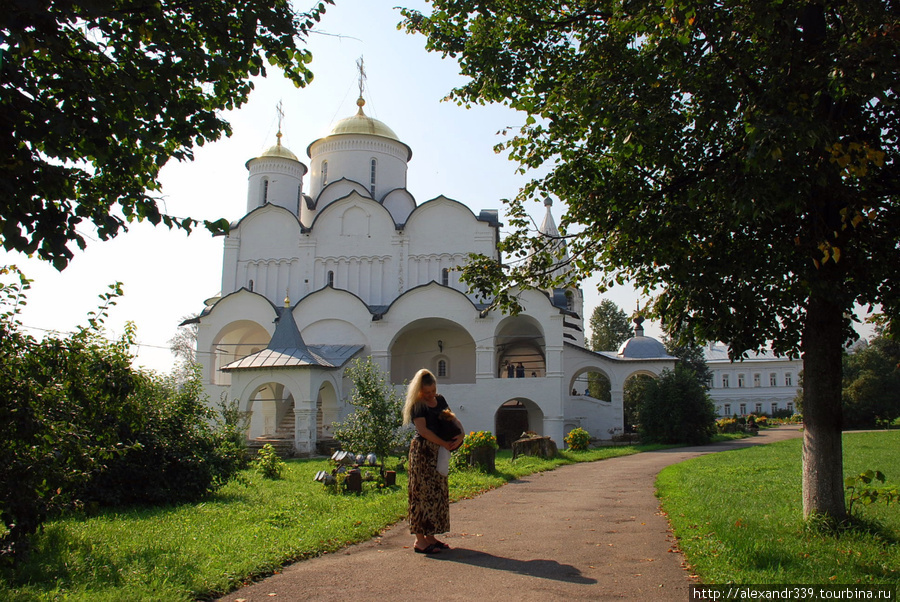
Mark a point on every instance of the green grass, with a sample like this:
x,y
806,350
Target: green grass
x,y
738,519
250,528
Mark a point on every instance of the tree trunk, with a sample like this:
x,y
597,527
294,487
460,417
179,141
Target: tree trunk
x,y
823,486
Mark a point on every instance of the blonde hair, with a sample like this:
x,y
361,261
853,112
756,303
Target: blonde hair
x,y
423,378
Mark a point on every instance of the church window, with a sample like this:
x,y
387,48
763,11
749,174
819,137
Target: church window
x,y
265,192
299,197
372,178
324,174
740,381
756,380
442,368
330,278
726,381
788,380
251,286
772,381
445,277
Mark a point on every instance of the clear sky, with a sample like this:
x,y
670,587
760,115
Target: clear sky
x,y
167,275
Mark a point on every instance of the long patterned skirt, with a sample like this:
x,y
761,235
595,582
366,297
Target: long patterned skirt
x,y
429,496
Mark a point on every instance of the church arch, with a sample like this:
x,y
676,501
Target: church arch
x,y
520,348
425,342
515,417
234,341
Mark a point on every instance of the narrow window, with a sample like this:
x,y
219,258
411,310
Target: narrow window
x,y
774,407
442,369
330,278
726,381
299,197
372,178
772,381
445,277
324,174
743,410
740,381
788,380
265,192
790,406
756,380
251,286
728,409
759,408
570,301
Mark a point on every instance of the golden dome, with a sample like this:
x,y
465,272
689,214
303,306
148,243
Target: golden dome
x,y
363,124
279,151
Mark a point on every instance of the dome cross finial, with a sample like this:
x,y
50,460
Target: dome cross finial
x,y
279,109
361,67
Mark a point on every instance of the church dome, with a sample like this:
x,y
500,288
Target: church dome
x,y
641,347
363,124
279,151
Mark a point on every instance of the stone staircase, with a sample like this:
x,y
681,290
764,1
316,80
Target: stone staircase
x,y
282,439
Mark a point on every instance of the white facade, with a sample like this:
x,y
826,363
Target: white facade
x,y
760,384
357,268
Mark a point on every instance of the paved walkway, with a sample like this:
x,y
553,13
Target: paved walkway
x,y
589,531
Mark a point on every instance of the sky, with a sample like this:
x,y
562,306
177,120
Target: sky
x,y
167,275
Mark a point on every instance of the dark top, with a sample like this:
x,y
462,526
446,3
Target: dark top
x,y
444,429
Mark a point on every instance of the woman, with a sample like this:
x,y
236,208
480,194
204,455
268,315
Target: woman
x,y
429,498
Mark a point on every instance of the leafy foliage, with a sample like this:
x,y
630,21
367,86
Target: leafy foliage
x,y
675,409
62,401
79,425
97,97
377,423
267,462
691,356
578,439
871,381
609,327
175,450
861,490
738,160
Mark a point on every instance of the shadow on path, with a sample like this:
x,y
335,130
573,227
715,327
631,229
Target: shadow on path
x,y
544,569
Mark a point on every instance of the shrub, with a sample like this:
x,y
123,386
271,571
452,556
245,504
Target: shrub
x,y
675,408
727,425
377,423
472,441
268,463
577,439
176,453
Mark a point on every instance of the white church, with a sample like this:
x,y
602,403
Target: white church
x,y
336,260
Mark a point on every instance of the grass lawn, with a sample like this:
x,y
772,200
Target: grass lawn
x,y
249,528
738,517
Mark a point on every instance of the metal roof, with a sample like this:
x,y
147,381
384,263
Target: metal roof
x,y
322,356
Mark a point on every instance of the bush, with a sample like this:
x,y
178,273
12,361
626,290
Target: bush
x,y
577,439
268,463
675,408
176,454
377,423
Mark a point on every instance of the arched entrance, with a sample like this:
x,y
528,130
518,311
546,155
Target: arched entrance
x,y
514,418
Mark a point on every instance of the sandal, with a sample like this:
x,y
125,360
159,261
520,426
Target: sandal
x,y
432,549
440,545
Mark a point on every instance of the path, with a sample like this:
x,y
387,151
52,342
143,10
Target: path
x,y
589,531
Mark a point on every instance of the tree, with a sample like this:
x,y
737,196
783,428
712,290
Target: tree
x,y
690,354
98,96
872,384
377,423
609,327
675,408
738,159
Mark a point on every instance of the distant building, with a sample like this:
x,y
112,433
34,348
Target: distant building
x,y
760,384
352,266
